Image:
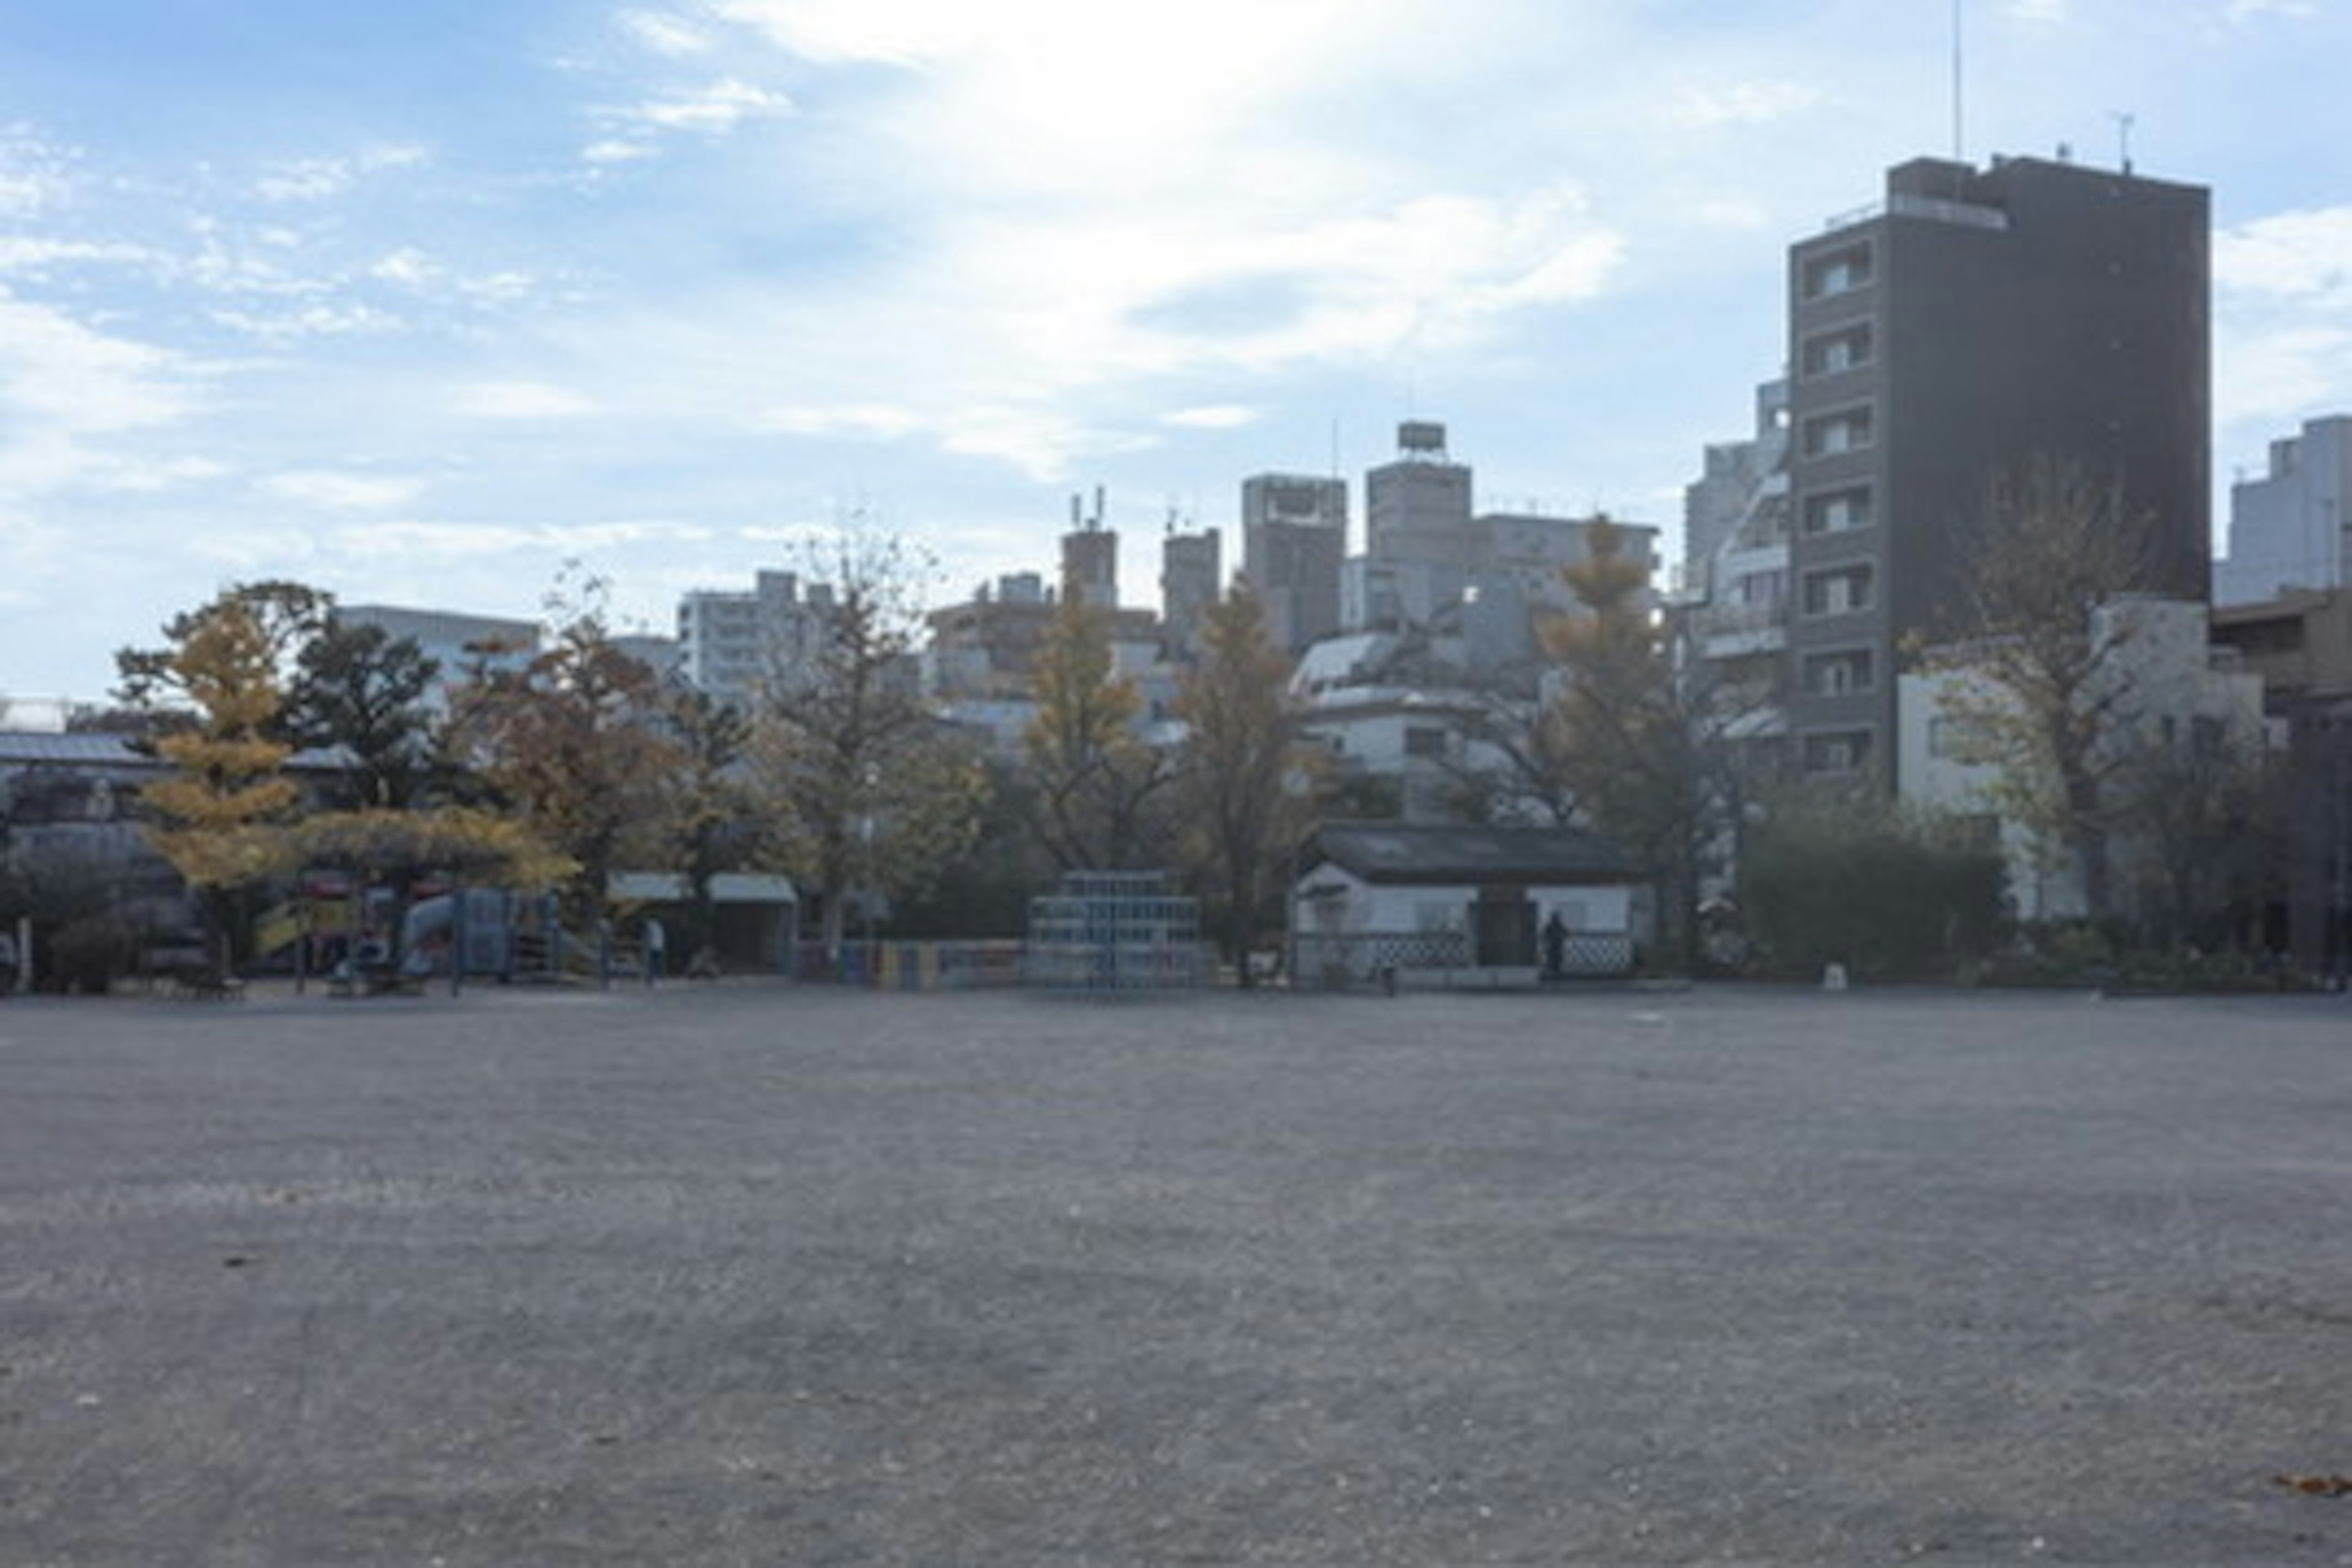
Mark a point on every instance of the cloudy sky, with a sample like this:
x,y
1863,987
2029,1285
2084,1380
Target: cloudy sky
x,y
416,301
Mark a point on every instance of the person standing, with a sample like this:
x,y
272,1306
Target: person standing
x,y
657,943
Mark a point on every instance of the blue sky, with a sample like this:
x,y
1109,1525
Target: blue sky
x,y
418,302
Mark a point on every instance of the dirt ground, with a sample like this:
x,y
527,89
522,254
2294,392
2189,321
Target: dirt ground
x,y
749,1274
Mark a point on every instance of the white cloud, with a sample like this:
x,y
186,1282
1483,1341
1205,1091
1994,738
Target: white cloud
x,y
2039,12
68,393
151,474
2242,10
23,254
2305,256
36,175
332,490
2283,308
617,150
416,540
310,321
1210,416
317,179
887,31
865,422
500,288
408,267
715,110
521,400
1744,103
2283,374
666,33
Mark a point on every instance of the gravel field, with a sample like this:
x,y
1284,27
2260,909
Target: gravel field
x,y
745,1274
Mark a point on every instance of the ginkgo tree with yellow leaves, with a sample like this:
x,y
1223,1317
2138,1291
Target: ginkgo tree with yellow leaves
x,y
1247,784
219,816
1094,778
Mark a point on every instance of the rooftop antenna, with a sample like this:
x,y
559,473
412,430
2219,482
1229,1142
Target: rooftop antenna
x,y
1959,145
2123,119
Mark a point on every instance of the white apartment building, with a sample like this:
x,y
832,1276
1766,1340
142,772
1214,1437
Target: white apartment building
x,y
2287,529
730,643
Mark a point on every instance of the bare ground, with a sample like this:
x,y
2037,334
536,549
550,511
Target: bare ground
x,y
753,1274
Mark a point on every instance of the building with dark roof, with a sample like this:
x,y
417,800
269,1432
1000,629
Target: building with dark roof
x,y
1979,320
1454,904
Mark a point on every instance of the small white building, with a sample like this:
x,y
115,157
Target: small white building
x,y
1454,906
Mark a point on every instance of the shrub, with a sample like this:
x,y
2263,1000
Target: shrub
x,y
1885,903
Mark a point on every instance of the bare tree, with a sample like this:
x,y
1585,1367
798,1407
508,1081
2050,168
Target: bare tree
x,y
865,787
2201,807
2048,689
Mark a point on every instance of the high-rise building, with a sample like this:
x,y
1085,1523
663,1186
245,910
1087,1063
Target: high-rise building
x,y
1294,539
1419,547
1978,321
2287,529
1190,577
1090,558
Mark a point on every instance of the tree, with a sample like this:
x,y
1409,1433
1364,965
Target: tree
x,y
2046,686
574,742
358,687
285,617
866,789
1094,777
709,808
1638,749
985,891
217,816
1245,784
2200,805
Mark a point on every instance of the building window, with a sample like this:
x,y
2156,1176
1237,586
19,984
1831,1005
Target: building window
x,y
1840,592
1838,511
1837,751
1832,351
1423,741
1761,590
1837,271
1835,674
1831,434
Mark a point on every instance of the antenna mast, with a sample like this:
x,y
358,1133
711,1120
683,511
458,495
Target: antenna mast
x,y
1959,144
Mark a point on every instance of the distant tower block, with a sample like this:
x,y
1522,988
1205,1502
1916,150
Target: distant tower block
x,y
1294,540
1090,557
1190,580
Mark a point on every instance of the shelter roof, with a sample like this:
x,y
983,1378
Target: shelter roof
x,y
1405,853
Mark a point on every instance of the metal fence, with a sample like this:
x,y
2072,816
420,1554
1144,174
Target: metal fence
x,y
1336,961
